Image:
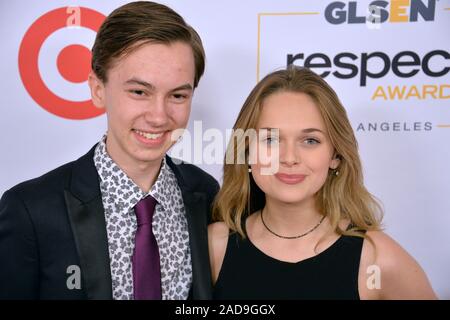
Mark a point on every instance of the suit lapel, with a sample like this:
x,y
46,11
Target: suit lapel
x,y
197,211
86,213
195,205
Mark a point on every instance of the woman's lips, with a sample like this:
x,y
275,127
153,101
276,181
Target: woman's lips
x,y
290,178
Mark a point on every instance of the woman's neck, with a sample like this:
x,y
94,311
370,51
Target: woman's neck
x,y
290,219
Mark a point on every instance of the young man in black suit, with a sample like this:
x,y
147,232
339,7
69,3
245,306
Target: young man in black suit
x,y
70,234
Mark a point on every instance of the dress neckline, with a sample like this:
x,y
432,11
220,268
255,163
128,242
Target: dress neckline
x,y
306,260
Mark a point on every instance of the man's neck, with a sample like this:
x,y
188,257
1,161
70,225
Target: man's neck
x,y
144,175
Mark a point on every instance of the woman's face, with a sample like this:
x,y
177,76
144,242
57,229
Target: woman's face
x,y
298,140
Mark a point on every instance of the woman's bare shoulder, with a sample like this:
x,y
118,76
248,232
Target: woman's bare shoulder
x,y
400,275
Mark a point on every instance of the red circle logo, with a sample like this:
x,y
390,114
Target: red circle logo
x,y
73,62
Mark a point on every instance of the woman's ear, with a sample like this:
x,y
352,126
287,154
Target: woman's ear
x,y
97,90
335,161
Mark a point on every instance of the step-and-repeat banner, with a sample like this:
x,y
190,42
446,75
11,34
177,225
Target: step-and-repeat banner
x,y
389,62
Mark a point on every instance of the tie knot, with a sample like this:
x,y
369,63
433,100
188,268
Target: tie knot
x,y
144,210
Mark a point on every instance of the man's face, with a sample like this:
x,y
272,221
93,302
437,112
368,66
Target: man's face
x,y
147,96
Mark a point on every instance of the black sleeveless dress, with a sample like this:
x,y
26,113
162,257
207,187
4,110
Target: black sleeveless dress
x,y
248,273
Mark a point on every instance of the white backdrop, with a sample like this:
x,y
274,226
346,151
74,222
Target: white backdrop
x,y
403,140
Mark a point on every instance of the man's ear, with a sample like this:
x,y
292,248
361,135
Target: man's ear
x,y
335,161
97,90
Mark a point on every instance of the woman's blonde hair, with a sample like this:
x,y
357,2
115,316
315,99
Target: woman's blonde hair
x,y
343,196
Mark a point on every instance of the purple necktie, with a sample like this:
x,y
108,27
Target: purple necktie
x,y
146,268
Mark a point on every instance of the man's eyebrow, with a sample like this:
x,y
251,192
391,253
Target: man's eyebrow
x,y
186,86
148,85
140,82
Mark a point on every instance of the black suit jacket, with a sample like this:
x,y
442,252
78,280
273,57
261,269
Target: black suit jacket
x,y
56,221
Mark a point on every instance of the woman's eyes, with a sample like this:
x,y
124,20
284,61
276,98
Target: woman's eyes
x,y
311,141
271,140
307,141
